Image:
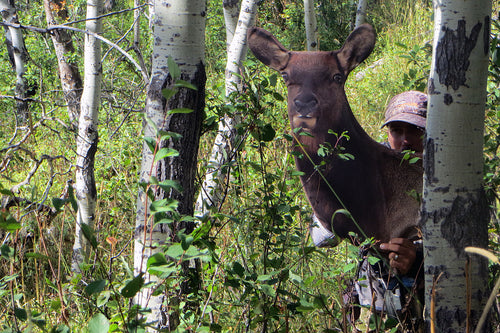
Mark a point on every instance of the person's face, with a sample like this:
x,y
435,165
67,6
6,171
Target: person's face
x,y
405,136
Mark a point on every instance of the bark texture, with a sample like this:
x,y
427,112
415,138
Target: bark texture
x,y
226,141
361,13
179,29
231,13
455,212
86,142
311,26
69,73
18,56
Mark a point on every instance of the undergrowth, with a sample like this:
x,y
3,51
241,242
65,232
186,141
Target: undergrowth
x,y
259,268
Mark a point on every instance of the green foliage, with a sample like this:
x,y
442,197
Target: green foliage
x,y
258,269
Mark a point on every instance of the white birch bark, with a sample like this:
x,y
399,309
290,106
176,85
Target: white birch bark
x,y
211,193
178,32
18,54
361,13
86,142
311,25
455,213
231,10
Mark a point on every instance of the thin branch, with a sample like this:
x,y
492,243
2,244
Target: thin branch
x,y
137,51
106,15
33,170
51,28
145,76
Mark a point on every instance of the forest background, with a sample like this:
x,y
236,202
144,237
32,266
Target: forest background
x,y
259,268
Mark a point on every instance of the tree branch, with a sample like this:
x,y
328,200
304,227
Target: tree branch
x,y
51,28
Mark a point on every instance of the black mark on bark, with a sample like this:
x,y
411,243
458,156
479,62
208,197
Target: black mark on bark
x,y
448,99
465,222
228,4
486,35
432,88
446,317
452,54
429,160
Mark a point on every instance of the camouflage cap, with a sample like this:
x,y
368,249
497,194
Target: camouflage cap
x,y
409,107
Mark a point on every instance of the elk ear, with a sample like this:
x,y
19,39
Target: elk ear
x,y
357,47
267,48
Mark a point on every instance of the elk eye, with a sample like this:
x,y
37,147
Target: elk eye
x,y
284,75
338,78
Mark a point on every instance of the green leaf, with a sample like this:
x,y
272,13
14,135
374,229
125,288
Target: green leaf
x,y
203,229
58,203
264,277
373,260
173,68
98,324
186,242
349,267
238,269
95,287
133,286
264,133
179,110
60,329
164,205
166,135
88,232
151,142
168,93
103,298
268,290
71,197
273,79
8,222
278,97
21,314
185,84
7,251
164,153
175,251
37,255
295,278
55,305
163,271
268,133
151,123
157,259
6,192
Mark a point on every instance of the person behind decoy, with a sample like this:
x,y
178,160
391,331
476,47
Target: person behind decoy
x,y
405,119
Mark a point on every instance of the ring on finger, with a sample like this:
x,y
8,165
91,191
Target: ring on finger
x,y
396,257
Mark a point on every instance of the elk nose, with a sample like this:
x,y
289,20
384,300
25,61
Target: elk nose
x,y
305,105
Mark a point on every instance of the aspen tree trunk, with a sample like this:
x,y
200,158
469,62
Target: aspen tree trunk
x,y
455,211
231,13
211,193
18,56
86,141
71,81
361,13
311,25
179,32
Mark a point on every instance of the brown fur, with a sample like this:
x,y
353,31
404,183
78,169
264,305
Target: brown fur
x,y
374,186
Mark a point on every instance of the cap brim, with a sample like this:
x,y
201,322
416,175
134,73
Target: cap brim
x,y
407,118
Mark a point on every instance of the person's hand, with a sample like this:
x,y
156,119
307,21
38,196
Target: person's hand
x,y
402,254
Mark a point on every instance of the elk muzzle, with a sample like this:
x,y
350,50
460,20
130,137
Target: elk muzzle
x,y
305,105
